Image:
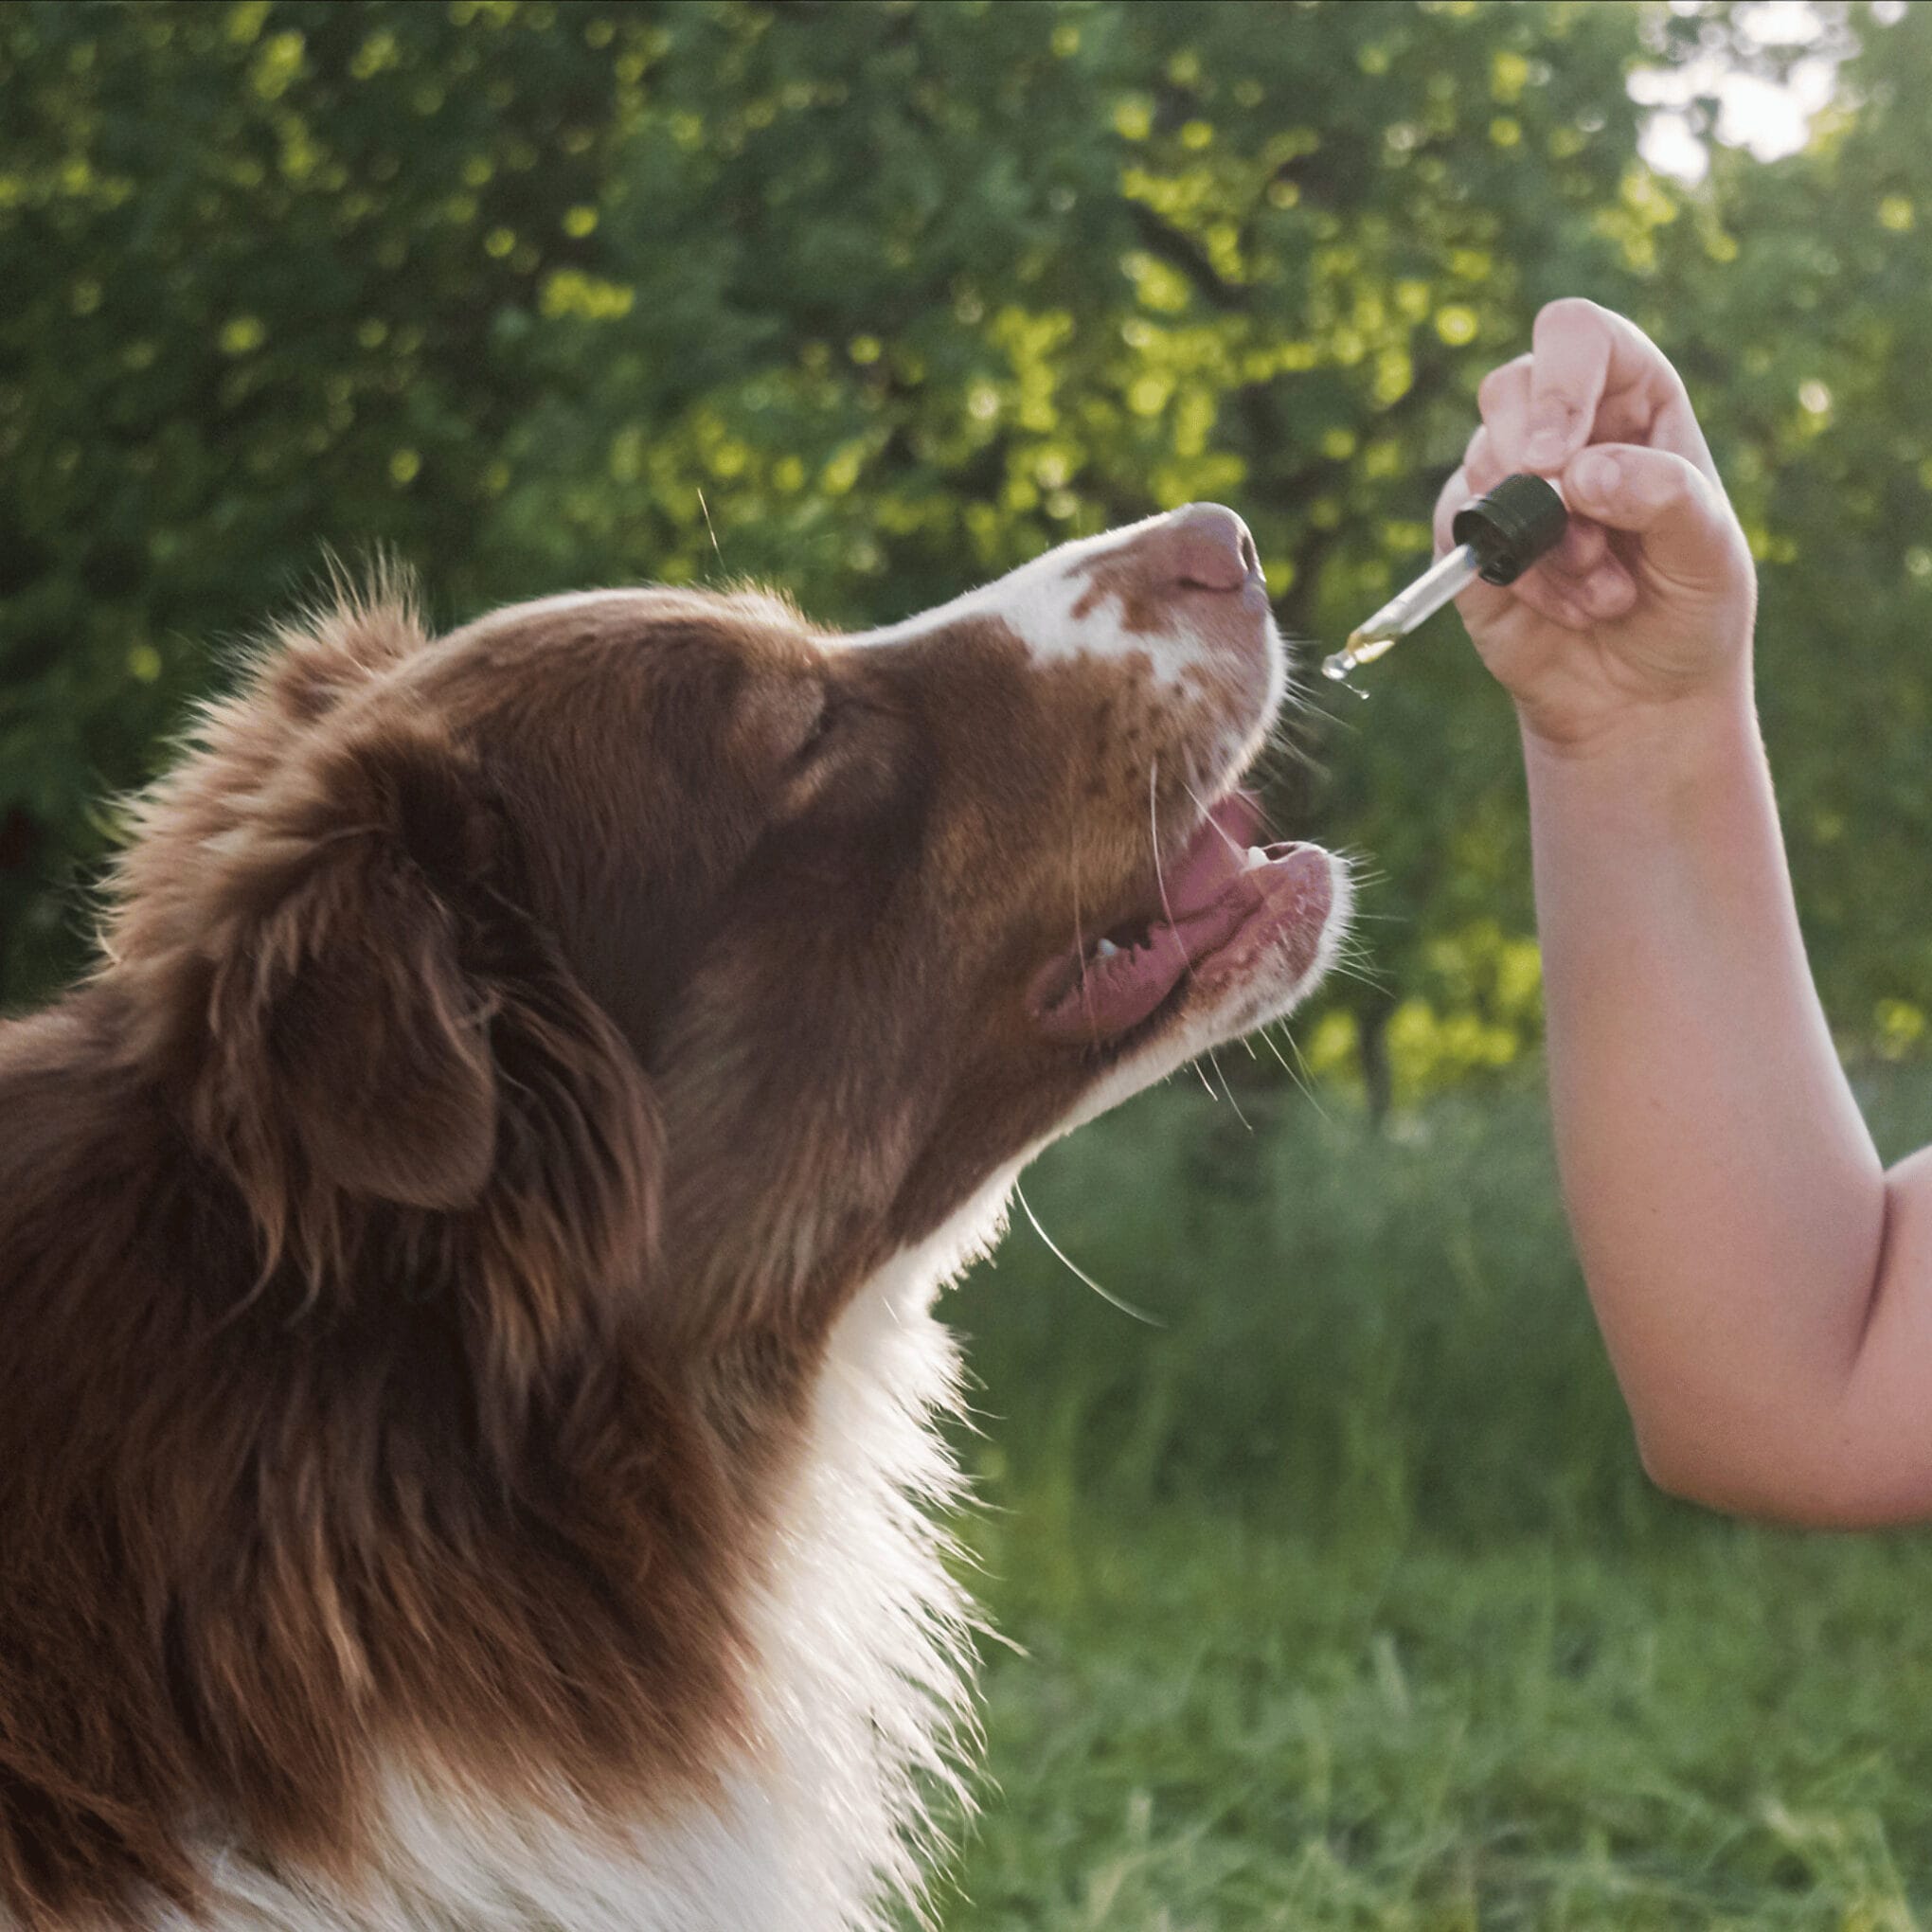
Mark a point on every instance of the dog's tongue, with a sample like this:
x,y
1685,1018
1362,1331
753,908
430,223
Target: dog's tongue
x,y
1215,861
1207,897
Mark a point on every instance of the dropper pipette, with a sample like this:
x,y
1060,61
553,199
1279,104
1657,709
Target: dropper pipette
x,y
1497,537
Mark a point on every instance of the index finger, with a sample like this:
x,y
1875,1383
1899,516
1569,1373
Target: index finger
x,y
1586,361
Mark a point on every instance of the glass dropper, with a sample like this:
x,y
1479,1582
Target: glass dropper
x,y
1497,537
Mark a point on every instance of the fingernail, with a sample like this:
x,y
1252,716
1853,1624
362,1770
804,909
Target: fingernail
x,y
1595,473
1544,448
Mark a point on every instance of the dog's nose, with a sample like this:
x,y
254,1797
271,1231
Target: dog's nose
x,y
1209,547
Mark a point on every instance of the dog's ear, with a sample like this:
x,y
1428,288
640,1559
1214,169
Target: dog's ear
x,y
351,1035
387,1027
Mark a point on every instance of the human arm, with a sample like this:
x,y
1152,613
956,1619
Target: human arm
x,y
1763,1286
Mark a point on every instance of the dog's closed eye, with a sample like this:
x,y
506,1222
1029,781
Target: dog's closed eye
x,y
818,733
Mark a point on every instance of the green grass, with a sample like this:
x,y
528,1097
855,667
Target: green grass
x,y
1341,1601
1220,1724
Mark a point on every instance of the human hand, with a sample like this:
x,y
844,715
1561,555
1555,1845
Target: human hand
x,y
1650,596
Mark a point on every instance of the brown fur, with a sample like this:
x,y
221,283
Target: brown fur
x,y
418,1237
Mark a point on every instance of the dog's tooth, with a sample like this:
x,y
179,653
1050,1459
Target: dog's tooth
x,y
1256,856
1106,950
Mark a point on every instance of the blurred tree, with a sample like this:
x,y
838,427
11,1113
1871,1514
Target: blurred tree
x,y
874,300
1812,349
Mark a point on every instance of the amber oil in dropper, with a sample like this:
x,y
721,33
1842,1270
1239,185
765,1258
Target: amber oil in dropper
x,y
1497,537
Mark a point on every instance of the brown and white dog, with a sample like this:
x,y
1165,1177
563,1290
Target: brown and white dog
x,y
467,1368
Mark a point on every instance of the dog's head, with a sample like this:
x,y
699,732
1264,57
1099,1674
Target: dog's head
x,y
694,958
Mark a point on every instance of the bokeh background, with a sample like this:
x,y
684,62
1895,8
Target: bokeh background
x,y
1342,1598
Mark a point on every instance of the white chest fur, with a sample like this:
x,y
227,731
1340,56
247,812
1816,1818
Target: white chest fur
x,y
859,1629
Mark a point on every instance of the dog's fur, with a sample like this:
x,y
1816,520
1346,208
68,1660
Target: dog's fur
x,y
466,1255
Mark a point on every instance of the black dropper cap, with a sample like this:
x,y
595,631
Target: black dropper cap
x,y
1520,519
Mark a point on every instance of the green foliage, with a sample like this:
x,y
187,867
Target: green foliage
x,y
1334,1305
1822,353
875,300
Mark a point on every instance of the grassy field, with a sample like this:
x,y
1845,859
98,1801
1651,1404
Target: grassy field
x,y
1340,1600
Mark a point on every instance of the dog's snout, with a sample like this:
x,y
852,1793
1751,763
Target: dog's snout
x,y
1209,547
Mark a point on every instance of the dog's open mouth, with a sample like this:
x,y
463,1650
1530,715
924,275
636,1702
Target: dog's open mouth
x,y
1222,905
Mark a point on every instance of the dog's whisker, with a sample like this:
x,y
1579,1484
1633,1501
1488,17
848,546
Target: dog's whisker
x,y
1160,880
708,524
1268,1039
1221,1075
1078,936
1306,1084
1154,835
1239,850
1080,1273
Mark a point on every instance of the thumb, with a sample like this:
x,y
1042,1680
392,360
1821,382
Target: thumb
x,y
1689,532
